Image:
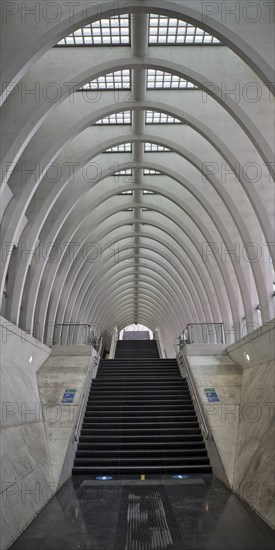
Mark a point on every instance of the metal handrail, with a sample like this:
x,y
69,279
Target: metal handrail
x,y
89,376
195,395
186,337
86,338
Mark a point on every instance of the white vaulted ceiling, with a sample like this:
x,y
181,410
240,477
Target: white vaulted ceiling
x,y
137,167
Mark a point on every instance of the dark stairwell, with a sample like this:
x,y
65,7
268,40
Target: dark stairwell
x,y
140,417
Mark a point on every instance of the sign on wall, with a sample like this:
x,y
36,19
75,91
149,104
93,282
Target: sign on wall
x,y
211,395
68,395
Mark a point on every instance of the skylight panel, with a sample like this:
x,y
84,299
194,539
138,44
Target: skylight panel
x,y
151,172
165,30
114,31
155,117
116,118
128,192
154,147
127,172
122,148
147,192
119,80
162,80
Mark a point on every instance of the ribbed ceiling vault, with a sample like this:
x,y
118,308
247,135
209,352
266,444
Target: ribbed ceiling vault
x,y
161,237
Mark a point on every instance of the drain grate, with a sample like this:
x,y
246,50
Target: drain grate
x,y
146,520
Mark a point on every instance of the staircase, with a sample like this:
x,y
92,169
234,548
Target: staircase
x,y
140,418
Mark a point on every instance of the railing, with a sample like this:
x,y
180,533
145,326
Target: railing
x,y
201,333
82,334
95,358
183,364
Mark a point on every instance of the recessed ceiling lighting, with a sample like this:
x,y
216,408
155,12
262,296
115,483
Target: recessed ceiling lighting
x,y
247,356
30,359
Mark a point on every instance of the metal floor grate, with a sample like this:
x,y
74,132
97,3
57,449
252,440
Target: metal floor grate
x,y
146,520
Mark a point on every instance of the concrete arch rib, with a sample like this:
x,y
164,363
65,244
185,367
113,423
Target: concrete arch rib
x,y
255,136
218,225
197,165
147,281
42,37
180,224
149,307
156,264
147,303
148,295
56,297
263,301
172,267
92,302
68,240
124,274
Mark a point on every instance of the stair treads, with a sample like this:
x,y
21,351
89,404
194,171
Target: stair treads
x,y
140,418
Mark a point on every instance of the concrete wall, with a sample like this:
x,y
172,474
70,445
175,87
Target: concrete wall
x,y
66,368
254,476
220,372
242,423
37,431
26,473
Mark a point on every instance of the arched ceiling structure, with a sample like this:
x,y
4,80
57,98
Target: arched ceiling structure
x,y
137,165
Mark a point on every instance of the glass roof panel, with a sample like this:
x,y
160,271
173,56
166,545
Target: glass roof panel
x,y
114,31
160,79
154,147
116,118
119,80
155,117
127,172
122,148
151,172
166,30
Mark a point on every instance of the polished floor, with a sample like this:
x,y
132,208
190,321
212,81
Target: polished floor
x,y
158,513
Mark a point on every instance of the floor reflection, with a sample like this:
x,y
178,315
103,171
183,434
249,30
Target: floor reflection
x,y
199,512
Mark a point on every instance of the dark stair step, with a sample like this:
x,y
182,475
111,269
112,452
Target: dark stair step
x,y
123,430
149,446
175,469
142,438
130,424
139,392
138,403
141,461
145,414
140,408
133,421
142,452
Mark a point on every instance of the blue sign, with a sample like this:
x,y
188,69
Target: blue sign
x,y
68,396
211,395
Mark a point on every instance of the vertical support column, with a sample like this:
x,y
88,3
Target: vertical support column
x,y
140,26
